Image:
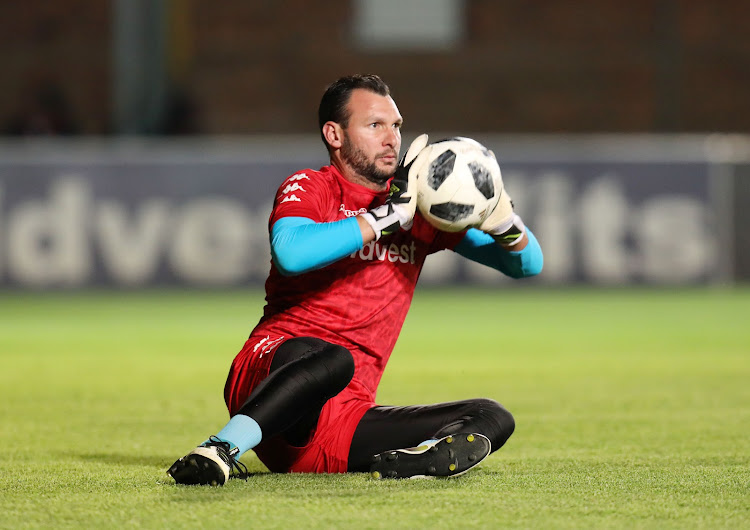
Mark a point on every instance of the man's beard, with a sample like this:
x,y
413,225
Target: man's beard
x,y
357,159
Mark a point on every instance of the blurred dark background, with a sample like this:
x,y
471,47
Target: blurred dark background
x,y
242,67
621,127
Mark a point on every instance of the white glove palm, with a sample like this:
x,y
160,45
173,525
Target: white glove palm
x,y
503,223
403,192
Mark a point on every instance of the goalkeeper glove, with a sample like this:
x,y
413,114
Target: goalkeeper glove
x,y
401,204
503,224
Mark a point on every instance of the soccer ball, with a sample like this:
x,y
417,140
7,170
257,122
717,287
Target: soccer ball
x,y
459,185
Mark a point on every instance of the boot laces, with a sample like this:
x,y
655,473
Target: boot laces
x,y
223,449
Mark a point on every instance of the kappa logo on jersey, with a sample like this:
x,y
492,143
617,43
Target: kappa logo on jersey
x,y
292,187
351,213
374,251
298,176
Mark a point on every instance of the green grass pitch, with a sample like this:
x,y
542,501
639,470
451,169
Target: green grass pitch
x,y
632,410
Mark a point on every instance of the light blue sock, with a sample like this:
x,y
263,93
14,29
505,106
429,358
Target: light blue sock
x,y
241,432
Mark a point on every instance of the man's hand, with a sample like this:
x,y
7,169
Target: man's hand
x,y
401,205
504,224
403,192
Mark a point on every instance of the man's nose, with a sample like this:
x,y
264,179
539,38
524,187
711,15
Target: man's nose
x,y
392,138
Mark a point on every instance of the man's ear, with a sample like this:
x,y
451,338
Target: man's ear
x,y
334,134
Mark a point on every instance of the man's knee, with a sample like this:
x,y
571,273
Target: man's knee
x,y
330,365
498,420
339,363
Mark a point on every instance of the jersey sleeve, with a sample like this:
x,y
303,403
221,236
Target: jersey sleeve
x,y
482,248
305,194
300,245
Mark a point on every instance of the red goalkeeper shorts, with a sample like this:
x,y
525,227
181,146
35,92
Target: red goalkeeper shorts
x,y
327,451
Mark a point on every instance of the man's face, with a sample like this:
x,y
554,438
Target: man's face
x,y
372,139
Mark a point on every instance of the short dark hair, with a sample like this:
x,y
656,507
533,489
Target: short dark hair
x,y
336,97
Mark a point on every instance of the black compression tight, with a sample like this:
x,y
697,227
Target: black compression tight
x,y
384,428
305,373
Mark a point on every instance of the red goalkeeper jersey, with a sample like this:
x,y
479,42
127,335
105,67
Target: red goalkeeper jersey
x,y
359,302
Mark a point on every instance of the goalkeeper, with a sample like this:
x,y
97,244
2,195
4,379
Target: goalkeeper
x,y
347,248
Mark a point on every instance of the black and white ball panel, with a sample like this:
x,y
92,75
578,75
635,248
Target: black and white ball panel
x,y
482,179
441,168
451,211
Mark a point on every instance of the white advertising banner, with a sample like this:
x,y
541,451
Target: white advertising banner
x,y
156,213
